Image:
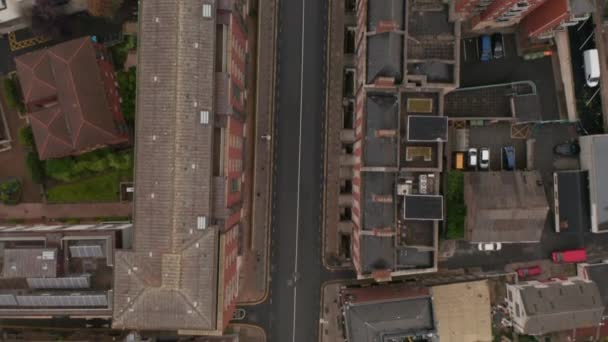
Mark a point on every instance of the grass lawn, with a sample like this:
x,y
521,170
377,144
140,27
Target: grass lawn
x,y
455,205
101,188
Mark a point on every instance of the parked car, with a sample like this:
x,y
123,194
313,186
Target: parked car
x,y
459,160
484,158
531,271
569,256
508,158
472,157
489,246
592,67
486,48
569,148
497,46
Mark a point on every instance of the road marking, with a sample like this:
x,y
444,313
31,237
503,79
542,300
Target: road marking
x,y
295,271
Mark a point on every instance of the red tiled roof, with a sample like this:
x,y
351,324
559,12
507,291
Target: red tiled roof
x,y
65,94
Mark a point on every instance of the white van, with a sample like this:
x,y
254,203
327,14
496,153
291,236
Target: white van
x,y
592,67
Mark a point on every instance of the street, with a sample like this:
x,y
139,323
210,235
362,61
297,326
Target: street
x,y
296,230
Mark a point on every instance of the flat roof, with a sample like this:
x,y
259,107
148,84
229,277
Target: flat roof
x,y
385,56
427,128
423,207
594,149
388,319
385,11
377,253
598,273
463,312
571,205
31,262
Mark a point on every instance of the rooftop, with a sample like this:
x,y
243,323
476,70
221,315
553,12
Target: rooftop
x,y
560,305
385,12
377,253
29,263
571,206
504,206
598,273
388,312
378,200
385,56
381,130
427,128
64,93
169,280
463,311
594,149
423,207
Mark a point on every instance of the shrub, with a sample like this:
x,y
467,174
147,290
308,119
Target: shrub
x,y
61,169
120,51
73,168
36,167
26,136
10,191
456,210
12,95
127,87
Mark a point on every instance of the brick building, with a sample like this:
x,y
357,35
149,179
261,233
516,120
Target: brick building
x,y
407,58
59,270
554,16
57,84
182,273
492,14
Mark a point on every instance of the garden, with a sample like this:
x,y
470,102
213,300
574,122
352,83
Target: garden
x,y
456,210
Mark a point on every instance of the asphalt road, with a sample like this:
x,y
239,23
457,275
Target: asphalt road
x,y
298,141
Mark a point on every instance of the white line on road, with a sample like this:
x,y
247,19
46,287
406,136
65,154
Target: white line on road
x,y
295,270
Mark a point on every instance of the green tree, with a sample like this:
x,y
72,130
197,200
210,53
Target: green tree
x,y
9,191
127,87
26,136
13,95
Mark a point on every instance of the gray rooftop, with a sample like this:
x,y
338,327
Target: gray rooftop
x,y
594,149
427,128
572,205
385,11
504,206
169,281
33,262
558,306
377,253
389,320
385,56
381,117
598,273
377,211
423,207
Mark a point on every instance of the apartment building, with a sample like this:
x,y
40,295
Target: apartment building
x,y
182,272
59,270
406,58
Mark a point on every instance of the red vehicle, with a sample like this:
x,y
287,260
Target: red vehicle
x,y
529,271
569,256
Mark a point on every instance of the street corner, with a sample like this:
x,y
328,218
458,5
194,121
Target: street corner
x,y
247,332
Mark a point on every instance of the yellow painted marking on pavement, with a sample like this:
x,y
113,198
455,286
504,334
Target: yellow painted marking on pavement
x,y
15,44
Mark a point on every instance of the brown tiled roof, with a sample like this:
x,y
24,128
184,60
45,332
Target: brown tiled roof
x,y
67,80
169,281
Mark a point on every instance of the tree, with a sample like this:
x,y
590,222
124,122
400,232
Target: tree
x,y
10,191
47,17
127,87
13,95
26,136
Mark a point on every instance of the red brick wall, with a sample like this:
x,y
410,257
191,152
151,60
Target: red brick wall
x,y
238,62
545,17
234,160
496,9
230,243
465,6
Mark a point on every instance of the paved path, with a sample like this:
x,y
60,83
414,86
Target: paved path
x,y
39,211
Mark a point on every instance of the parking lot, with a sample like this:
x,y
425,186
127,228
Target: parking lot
x,y
510,68
495,137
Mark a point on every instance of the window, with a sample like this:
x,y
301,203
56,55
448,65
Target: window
x,y
206,11
235,185
510,295
517,312
349,39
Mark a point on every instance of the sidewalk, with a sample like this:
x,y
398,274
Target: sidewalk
x,y
565,67
601,41
253,280
329,329
248,332
40,211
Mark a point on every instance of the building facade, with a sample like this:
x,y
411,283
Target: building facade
x,y
182,273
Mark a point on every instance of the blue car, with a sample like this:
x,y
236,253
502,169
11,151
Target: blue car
x,y
508,154
485,43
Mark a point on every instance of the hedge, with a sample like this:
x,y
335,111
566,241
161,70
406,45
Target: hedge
x,y
12,95
70,169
